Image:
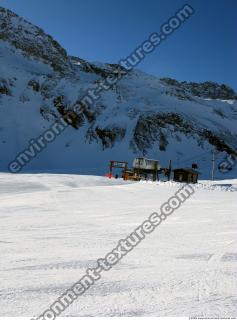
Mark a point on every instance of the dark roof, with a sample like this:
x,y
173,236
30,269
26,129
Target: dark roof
x,y
187,170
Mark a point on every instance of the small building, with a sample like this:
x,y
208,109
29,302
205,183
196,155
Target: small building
x,y
146,164
130,175
144,168
185,175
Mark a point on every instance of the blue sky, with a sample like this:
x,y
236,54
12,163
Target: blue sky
x,y
203,48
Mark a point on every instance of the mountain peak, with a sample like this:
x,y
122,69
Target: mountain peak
x,y
32,40
207,89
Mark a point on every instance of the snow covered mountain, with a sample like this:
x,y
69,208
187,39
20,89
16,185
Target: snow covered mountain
x,y
139,115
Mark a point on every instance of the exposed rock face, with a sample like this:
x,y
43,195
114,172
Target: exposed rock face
x,y
5,86
33,41
207,89
105,71
162,126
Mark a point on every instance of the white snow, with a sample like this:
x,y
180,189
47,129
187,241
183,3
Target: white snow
x,y
140,93
54,226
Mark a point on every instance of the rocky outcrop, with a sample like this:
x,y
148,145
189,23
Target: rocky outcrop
x,y
160,127
5,86
207,90
33,41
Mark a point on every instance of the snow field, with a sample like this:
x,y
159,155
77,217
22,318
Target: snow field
x,y
53,227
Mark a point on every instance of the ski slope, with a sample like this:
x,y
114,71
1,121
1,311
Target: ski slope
x,y
53,227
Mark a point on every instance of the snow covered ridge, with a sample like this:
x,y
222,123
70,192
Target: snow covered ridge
x,y
139,115
219,185
32,40
208,89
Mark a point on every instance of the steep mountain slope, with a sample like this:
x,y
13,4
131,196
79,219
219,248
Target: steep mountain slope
x,y
139,115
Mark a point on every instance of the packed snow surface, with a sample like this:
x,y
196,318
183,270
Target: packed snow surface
x,y
53,227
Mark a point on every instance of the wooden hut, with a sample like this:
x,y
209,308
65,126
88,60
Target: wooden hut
x,y
185,175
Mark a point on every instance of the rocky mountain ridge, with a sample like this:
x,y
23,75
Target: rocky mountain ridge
x,y
139,115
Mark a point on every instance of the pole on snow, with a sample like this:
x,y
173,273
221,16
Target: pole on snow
x,y
213,165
